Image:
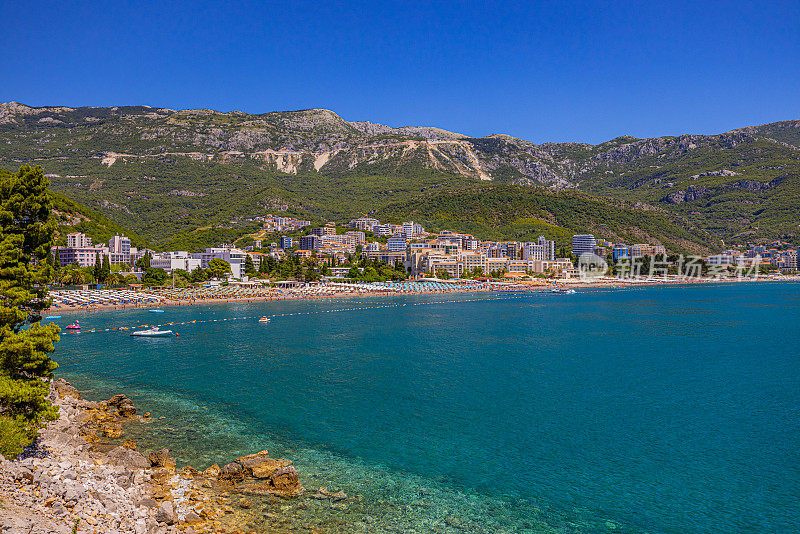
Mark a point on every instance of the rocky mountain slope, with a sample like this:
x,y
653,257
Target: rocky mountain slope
x,y
121,160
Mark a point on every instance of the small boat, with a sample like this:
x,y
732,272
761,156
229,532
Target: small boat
x,y
152,332
264,320
562,291
51,317
74,326
156,311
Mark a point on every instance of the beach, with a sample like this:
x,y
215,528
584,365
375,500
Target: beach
x,y
120,299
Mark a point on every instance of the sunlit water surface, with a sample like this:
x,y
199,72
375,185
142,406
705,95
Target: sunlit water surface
x,y
639,410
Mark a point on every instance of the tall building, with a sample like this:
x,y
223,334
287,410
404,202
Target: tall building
x,y
549,248
309,242
324,230
583,243
233,256
286,242
397,243
533,251
82,256
119,244
620,251
78,240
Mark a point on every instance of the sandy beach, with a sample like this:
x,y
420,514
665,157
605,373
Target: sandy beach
x,y
159,299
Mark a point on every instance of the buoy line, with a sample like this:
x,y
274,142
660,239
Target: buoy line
x,y
313,312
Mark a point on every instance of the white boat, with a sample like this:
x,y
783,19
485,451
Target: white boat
x,y
152,332
264,320
563,291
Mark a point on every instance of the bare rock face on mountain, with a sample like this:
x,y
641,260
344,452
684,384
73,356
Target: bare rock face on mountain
x,y
692,193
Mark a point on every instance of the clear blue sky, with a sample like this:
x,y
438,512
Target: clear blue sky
x,y
560,71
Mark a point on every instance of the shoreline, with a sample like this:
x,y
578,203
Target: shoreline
x,y
80,475
519,287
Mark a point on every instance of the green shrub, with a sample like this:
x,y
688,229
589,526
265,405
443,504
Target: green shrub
x,y
15,434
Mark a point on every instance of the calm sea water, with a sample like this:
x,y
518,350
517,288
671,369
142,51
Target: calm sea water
x,y
640,410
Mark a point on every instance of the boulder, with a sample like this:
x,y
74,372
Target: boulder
x,y
232,470
252,459
212,472
188,472
147,502
65,389
166,513
266,466
191,518
116,400
127,409
123,404
112,430
159,458
127,458
283,481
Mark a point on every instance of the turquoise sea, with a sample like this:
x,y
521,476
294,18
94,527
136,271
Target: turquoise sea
x,y
661,410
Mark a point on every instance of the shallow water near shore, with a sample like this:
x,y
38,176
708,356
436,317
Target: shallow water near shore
x,y
655,409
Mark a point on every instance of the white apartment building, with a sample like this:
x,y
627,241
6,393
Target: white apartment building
x,y
78,240
533,251
170,261
341,239
234,256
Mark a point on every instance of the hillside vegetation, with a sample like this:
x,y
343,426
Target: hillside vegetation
x,y
508,212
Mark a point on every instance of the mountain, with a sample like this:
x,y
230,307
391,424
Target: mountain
x,y
167,173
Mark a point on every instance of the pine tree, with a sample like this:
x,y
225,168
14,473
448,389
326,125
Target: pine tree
x,y
249,267
26,235
105,272
97,272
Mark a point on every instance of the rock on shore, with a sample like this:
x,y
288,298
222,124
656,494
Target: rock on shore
x,y
81,476
64,482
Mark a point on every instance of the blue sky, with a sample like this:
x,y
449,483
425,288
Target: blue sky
x,y
561,71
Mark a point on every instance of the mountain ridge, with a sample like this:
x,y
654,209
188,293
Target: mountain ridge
x,y
744,182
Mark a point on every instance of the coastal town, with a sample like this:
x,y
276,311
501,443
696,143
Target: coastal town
x,y
413,252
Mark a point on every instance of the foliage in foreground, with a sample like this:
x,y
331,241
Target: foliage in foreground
x,y
26,235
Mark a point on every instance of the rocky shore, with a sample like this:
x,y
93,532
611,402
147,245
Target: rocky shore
x,y
82,476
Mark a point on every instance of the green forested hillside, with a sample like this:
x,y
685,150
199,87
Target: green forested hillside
x,y
74,217
751,190
509,212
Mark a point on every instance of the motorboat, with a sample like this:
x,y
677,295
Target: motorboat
x,y
264,320
562,291
74,326
52,317
152,332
